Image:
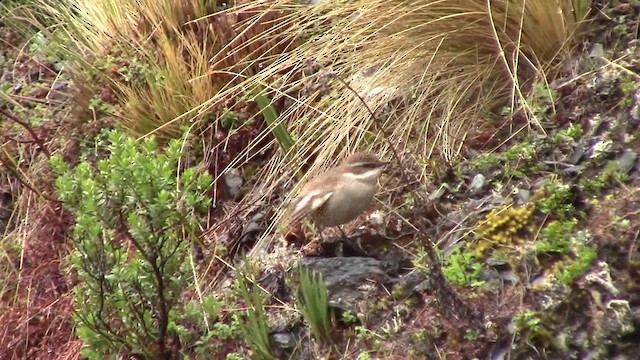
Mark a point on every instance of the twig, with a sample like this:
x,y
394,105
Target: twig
x,y
29,129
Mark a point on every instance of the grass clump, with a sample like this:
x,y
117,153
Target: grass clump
x,y
135,217
164,64
254,327
431,69
313,303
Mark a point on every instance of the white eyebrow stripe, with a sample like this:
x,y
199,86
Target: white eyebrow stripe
x,y
366,175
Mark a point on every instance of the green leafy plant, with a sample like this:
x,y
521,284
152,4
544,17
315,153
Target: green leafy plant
x,y
313,303
560,136
558,200
556,237
349,317
135,217
254,328
560,237
527,320
461,268
204,313
541,99
583,257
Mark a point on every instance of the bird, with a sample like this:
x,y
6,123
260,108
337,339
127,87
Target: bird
x,y
340,194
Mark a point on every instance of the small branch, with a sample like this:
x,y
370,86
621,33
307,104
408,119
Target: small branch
x,y
12,169
29,129
163,311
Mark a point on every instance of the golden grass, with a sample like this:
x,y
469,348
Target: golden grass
x,y
433,71
437,66
161,60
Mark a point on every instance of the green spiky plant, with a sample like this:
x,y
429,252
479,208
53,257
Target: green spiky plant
x,y
313,303
255,329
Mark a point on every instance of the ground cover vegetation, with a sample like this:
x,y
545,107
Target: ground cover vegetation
x,y
148,150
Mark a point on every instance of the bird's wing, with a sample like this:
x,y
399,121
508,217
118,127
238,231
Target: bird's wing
x,y
309,201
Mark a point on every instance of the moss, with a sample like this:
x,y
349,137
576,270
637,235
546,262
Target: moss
x,y
610,176
503,226
485,161
628,87
584,257
556,237
560,238
558,199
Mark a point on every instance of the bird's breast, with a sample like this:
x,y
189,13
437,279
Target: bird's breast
x,y
347,202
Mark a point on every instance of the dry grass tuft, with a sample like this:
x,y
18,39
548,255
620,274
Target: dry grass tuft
x,y
434,72
166,64
431,69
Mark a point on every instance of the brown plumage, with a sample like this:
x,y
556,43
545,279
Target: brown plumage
x,y
340,194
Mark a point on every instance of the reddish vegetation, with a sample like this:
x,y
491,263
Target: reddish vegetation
x,y
36,302
37,305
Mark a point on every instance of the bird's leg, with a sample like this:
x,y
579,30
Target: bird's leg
x,y
351,247
344,236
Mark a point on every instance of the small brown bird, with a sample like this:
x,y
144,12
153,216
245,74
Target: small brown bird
x,y
340,194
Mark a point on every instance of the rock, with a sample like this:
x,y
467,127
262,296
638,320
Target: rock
x,y
522,196
477,183
251,231
415,281
596,51
350,281
233,181
627,161
394,261
284,340
578,153
435,195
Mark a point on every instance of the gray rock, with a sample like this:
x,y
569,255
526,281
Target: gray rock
x,y
477,183
596,51
627,161
349,280
522,196
233,181
284,340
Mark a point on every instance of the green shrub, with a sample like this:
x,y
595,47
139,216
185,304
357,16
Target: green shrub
x,y
134,219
